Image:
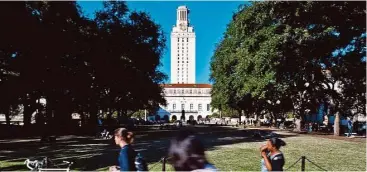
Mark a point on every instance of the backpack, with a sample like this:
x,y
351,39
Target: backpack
x,y
140,163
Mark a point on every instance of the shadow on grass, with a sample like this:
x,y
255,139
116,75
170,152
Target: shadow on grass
x,y
91,154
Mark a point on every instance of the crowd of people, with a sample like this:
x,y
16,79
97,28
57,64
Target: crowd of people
x,y
187,153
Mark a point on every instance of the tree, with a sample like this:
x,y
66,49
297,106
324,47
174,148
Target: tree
x,y
139,114
279,51
243,64
342,38
82,65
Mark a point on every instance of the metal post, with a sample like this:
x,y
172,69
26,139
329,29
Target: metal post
x,y
303,163
164,164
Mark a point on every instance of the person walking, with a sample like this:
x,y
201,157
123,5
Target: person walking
x,y
272,157
187,153
350,127
127,155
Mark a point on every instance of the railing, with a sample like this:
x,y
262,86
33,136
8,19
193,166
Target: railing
x,y
303,165
163,160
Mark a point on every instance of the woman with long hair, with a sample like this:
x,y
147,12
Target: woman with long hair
x,y
187,153
272,157
126,159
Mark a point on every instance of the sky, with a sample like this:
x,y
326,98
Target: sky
x,y
209,20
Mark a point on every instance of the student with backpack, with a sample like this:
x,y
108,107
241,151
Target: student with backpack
x,y
272,157
129,159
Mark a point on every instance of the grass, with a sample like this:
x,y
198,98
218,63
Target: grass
x,y
227,151
330,154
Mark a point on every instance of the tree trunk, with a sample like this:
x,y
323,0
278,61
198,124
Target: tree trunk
x,y
109,114
93,116
7,117
82,118
336,124
239,116
47,128
27,115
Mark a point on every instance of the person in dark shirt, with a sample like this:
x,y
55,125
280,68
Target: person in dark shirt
x,y
350,127
273,158
187,153
126,159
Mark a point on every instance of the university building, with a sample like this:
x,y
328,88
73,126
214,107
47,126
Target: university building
x,y
183,94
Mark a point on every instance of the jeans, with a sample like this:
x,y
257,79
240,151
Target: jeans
x,y
350,131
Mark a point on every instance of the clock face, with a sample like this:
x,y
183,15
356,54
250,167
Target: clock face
x,y
182,27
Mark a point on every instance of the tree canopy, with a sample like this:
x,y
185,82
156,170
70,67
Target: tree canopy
x,y
293,56
51,50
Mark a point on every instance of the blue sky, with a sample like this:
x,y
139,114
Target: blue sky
x,y
209,19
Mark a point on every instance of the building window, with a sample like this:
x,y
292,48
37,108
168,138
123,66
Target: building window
x,y
190,90
178,68
174,106
174,91
191,106
178,39
183,47
183,106
199,107
187,61
178,47
187,39
183,40
182,91
208,107
178,62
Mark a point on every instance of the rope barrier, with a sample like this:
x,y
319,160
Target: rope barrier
x,y
293,164
155,164
315,164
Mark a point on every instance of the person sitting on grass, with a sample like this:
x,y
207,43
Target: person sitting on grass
x,y
187,153
272,157
126,159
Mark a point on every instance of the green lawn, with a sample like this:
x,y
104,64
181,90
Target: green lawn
x,y
330,154
229,151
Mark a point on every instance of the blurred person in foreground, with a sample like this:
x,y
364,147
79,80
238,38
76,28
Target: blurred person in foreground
x,y
187,153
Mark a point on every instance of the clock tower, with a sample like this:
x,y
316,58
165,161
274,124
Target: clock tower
x,y
183,41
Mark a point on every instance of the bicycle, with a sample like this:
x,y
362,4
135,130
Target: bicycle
x,y
47,165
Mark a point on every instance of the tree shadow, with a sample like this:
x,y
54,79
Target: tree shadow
x,y
89,153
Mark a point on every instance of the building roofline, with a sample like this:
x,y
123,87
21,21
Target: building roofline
x,y
186,85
